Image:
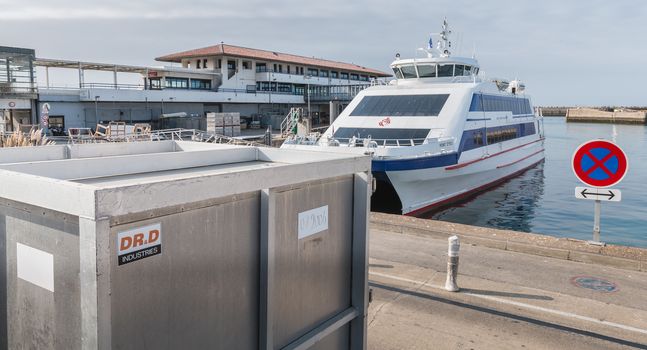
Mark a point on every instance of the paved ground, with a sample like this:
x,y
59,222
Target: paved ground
x,y
508,300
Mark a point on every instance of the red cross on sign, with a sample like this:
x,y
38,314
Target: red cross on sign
x,y
600,163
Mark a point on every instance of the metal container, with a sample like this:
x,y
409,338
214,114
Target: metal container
x,y
166,245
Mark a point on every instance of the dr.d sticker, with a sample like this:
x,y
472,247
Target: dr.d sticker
x,y
139,243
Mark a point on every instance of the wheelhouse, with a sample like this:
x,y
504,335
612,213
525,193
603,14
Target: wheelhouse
x,y
416,70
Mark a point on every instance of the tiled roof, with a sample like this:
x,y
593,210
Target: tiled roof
x,y
230,50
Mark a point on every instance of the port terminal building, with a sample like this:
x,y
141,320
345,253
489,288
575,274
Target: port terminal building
x,y
261,85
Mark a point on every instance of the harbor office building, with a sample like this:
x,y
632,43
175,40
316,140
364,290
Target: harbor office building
x,y
261,85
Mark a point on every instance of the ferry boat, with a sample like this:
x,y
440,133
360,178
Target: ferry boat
x,y
437,133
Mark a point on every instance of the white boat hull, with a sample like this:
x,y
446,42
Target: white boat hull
x,y
423,189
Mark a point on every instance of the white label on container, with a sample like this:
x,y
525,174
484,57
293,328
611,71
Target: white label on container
x,y
313,221
35,266
139,243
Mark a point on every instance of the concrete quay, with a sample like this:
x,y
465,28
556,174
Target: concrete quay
x,y
592,115
517,291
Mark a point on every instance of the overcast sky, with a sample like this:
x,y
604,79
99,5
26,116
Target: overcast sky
x,y
567,52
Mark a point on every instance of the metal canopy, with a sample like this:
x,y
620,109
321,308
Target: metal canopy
x,y
56,63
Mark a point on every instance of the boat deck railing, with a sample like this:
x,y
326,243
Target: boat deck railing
x,y
369,142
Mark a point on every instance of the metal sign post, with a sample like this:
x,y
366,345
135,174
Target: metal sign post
x,y
599,164
596,221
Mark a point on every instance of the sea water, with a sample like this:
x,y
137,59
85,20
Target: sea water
x,y
542,200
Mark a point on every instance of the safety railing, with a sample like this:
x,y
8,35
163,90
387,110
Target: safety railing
x,y
112,86
360,142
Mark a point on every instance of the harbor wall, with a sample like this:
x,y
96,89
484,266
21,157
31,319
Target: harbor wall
x,y
620,116
553,111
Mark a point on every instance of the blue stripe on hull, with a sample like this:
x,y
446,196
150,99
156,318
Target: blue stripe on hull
x,y
379,165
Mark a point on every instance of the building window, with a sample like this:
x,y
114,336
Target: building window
x,y
283,87
334,74
280,68
177,83
261,67
275,67
200,84
219,63
231,65
288,69
204,63
344,75
299,89
57,125
301,69
155,84
323,73
354,77
363,77
313,72
247,65
197,64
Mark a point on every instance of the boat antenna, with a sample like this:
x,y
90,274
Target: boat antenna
x,y
444,45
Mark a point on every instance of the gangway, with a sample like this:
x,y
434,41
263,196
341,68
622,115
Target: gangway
x,y
289,123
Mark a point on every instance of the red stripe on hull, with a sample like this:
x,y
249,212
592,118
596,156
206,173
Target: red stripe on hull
x,y
470,192
462,165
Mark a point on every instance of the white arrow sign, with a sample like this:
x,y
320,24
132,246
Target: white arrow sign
x,y
598,194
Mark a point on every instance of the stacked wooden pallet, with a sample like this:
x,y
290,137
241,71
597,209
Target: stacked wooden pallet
x,y
227,124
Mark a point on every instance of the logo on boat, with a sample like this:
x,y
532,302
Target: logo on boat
x,y
385,121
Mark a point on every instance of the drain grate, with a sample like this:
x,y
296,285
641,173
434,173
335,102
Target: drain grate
x,y
594,283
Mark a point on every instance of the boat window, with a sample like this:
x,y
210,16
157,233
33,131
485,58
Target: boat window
x,y
490,103
476,70
391,136
397,72
477,138
468,70
459,70
409,71
400,106
427,70
445,70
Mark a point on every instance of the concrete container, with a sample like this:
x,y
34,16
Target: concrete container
x,y
168,245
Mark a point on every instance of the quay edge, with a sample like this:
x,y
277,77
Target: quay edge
x,y
624,257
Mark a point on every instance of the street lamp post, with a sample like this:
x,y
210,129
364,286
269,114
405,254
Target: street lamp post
x,y
307,77
272,79
96,109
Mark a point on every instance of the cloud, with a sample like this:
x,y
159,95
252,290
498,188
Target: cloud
x,y
166,9
567,52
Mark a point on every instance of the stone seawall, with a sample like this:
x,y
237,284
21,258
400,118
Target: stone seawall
x,y
598,116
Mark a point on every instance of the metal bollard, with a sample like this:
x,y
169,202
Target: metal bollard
x,y
452,264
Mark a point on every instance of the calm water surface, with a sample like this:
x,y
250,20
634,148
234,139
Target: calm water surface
x,y
542,199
